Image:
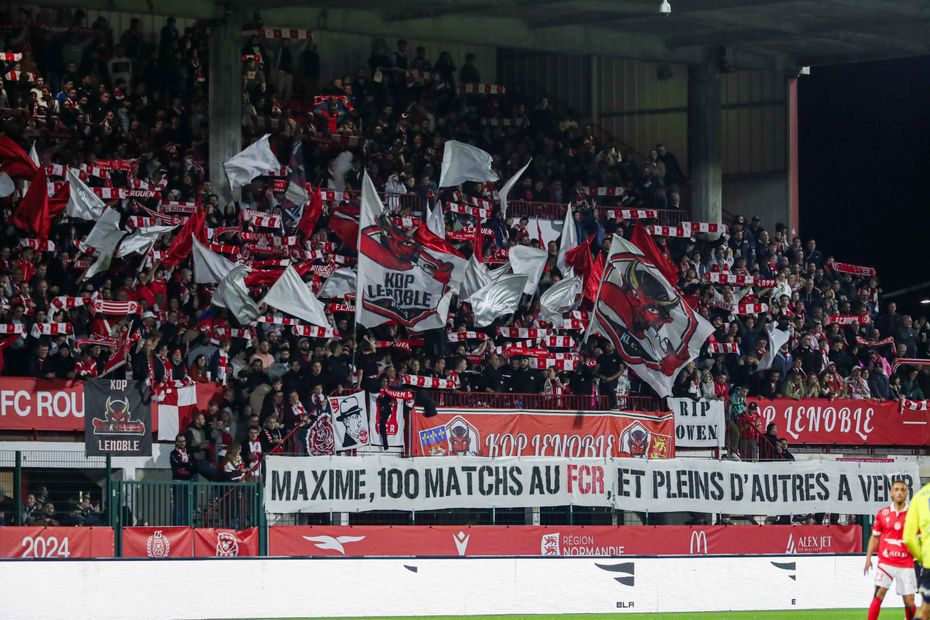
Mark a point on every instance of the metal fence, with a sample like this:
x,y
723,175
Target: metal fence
x,y
50,487
232,505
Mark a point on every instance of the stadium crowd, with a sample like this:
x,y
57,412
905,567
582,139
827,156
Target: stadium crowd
x,y
89,100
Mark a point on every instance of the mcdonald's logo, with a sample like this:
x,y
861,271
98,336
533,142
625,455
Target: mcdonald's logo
x,y
698,540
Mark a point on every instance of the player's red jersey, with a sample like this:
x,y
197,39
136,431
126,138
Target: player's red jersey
x,y
889,527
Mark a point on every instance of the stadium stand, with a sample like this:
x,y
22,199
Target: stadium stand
x,y
129,121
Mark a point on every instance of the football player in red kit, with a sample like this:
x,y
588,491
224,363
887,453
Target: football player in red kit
x,y
895,563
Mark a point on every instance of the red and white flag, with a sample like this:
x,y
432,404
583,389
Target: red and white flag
x,y
406,280
175,411
655,332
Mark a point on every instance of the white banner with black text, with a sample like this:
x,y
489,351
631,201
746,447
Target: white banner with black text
x,y
698,423
354,484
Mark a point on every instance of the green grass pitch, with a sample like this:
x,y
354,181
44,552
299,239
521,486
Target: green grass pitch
x,y
823,614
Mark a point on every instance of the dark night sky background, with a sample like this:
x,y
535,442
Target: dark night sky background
x,y
864,155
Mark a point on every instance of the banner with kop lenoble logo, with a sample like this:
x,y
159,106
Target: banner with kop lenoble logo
x,y
117,418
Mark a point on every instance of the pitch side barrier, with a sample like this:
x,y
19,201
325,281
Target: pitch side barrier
x,y
419,586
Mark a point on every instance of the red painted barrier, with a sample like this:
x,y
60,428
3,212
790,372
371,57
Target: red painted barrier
x,y
313,541
187,542
56,542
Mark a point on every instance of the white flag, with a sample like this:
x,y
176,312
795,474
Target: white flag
x,y
104,237
569,242
291,295
142,239
401,279
560,298
83,203
34,154
209,267
253,161
463,162
509,186
7,186
435,222
528,261
296,193
340,283
656,333
497,299
231,293
777,339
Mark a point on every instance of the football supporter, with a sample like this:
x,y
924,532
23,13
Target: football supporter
x,y
150,131
895,564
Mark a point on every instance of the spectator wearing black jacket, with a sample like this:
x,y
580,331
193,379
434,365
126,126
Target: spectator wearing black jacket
x,y
182,470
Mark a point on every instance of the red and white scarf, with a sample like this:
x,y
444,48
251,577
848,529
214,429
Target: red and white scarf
x,y
51,329
469,335
855,270
525,332
631,214
847,319
314,331
724,347
37,244
433,383
115,307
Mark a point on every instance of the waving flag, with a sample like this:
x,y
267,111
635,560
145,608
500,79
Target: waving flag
x,y
402,279
83,203
290,294
253,161
463,162
656,333
15,162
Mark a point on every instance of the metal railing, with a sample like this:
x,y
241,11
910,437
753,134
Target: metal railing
x,y
60,479
228,505
562,402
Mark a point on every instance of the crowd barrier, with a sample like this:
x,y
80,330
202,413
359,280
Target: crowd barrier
x,y
36,542
267,588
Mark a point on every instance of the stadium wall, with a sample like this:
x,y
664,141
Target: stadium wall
x,y
402,587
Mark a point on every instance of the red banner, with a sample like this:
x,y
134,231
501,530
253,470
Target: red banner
x,y
28,404
35,404
210,542
607,540
590,434
158,542
187,542
846,422
56,542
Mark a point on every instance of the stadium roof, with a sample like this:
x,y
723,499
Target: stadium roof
x,y
775,34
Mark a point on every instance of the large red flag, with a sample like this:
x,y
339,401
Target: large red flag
x,y
579,258
15,161
182,245
344,222
644,241
311,214
34,213
593,279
